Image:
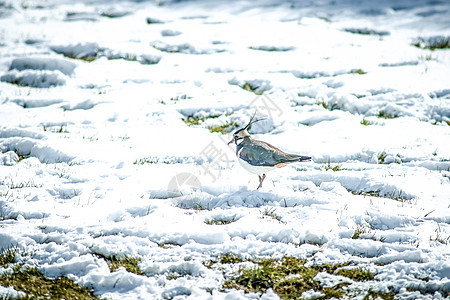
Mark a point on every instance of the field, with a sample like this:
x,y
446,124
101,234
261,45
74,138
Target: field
x,y
116,180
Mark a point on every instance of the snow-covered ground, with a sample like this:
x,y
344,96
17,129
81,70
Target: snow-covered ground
x,y
96,159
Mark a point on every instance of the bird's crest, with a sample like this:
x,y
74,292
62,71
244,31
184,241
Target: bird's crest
x,y
243,133
251,122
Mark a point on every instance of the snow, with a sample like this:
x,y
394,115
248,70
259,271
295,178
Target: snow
x,y
95,159
42,63
82,51
39,79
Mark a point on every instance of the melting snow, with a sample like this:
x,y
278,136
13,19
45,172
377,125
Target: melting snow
x,y
97,161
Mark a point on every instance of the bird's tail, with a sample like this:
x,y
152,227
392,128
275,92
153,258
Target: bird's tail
x,y
303,158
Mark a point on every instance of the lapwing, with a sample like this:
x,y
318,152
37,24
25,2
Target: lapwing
x,y
259,157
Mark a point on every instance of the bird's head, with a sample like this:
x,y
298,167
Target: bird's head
x,y
243,133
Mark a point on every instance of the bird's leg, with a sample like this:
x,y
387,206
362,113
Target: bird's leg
x,y
260,182
261,179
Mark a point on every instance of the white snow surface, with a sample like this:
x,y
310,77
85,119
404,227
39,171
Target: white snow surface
x,y
96,160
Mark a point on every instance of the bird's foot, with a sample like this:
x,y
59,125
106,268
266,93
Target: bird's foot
x,y
261,179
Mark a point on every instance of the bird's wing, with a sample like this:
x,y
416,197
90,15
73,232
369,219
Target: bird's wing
x,y
259,153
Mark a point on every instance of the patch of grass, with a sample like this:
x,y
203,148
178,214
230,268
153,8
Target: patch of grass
x,y
360,229
8,256
230,258
440,236
371,295
128,262
368,233
116,261
248,87
124,137
168,245
20,155
397,195
153,160
198,206
225,128
366,122
255,279
36,286
381,157
427,57
180,97
335,168
60,129
356,274
366,31
23,184
92,138
271,213
327,105
384,115
146,160
173,276
289,278
221,221
87,58
357,71
191,120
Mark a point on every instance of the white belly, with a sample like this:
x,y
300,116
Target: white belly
x,y
258,170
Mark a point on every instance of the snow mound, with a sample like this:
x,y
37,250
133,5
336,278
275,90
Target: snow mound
x,y
272,48
365,184
176,291
432,42
115,13
445,93
309,74
81,16
8,212
35,78
195,160
241,198
18,132
366,31
185,48
149,59
43,63
92,51
385,104
145,59
34,103
258,86
86,104
9,158
86,51
400,64
31,147
152,20
170,32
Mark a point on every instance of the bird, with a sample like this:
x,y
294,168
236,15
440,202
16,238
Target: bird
x,y
259,157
